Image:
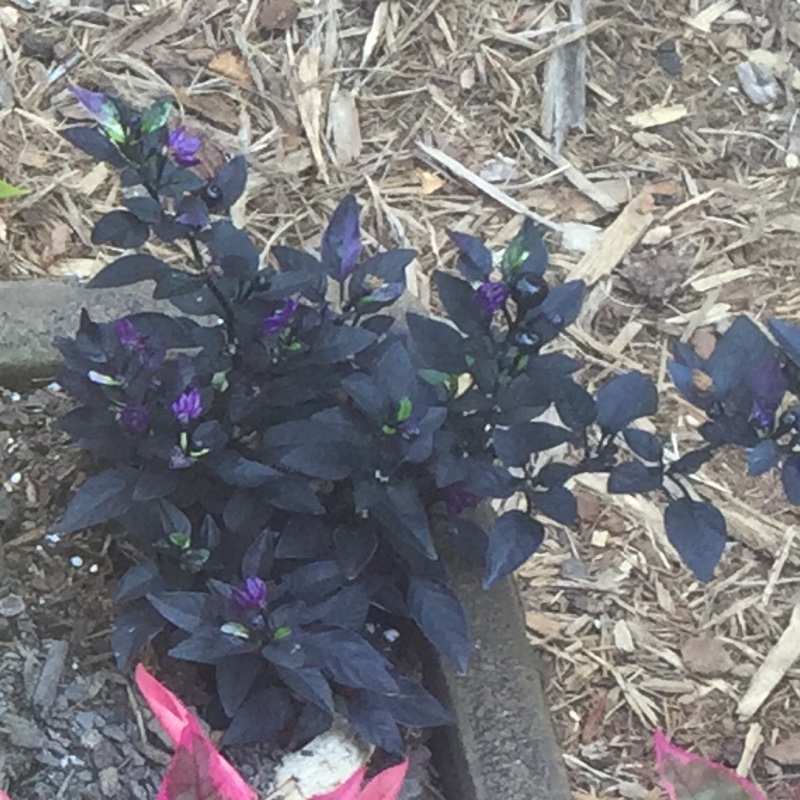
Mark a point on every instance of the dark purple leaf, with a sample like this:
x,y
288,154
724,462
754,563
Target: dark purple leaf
x,y
575,405
94,143
236,470
787,336
341,242
355,547
475,262
633,477
458,298
235,677
526,254
230,182
342,343
691,461
186,610
440,345
405,517
209,647
559,504
134,626
233,250
259,718
309,684
101,498
646,445
415,707
513,539
374,724
129,269
790,478
352,661
440,616
515,444
563,304
625,398
120,229
144,208
697,531
763,457
137,582
258,557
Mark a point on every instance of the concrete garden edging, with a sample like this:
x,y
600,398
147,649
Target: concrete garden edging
x,y
503,746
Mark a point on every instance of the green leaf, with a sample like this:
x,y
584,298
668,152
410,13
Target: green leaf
x,y
7,190
404,408
155,117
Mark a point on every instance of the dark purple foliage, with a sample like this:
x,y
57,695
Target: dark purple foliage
x,y
289,486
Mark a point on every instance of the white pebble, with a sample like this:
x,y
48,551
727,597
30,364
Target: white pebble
x,y
52,538
54,387
93,569
16,478
15,397
391,635
76,561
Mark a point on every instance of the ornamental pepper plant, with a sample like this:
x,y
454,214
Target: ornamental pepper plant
x,y
280,450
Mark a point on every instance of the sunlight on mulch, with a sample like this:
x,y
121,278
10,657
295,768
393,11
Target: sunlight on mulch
x,y
677,201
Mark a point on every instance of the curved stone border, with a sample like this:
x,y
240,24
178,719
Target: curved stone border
x,y
502,746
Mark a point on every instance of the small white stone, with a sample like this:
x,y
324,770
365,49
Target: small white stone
x,y
54,387
15,397
93,569
52,538
76,561
391,635
16,478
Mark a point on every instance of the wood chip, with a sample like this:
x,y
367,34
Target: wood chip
x,y
276,15
703,20
345,126
232,66
777,663
573,174
617,240
657,115
706,656
308,97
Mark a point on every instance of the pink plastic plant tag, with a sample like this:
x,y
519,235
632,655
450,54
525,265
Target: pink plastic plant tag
x,y
385,785
689,777
197,771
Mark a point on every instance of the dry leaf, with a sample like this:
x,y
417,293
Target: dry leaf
x,y
345,126
593,718
657,115
429,181
703,342
623,640
706,656
786,753
230,65
276,15
309,101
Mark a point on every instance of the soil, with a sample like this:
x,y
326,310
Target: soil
x,y
71,725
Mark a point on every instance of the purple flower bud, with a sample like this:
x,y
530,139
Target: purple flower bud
x,y
767,387
128,336
188,406
134,418
491,296
275,323
184,147
250,597
458,498
178,459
